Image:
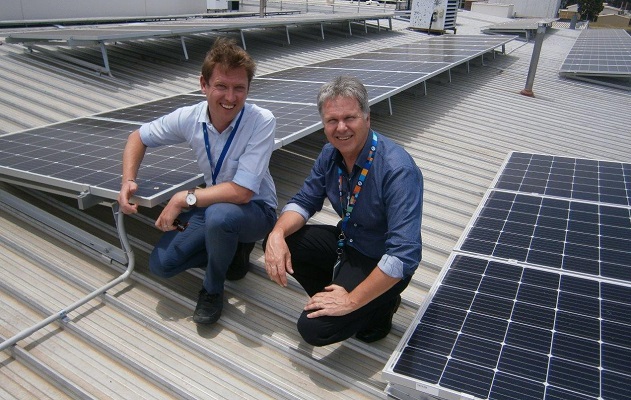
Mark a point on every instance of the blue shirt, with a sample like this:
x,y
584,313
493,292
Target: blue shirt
x,y
247,161
386,219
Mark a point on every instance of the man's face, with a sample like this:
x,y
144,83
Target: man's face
x,y
226,91
345,126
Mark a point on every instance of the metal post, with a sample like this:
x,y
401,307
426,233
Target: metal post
x,y
573,22
534,60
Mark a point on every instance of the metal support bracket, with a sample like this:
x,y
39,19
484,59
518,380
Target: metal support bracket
x,y
62,315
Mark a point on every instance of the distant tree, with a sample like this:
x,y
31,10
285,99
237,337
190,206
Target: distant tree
x,y
589,9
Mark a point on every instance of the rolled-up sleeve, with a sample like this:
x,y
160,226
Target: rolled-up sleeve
x,y
404,204
296,208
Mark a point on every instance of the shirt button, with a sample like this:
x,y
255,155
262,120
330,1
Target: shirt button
x,y
351,240
355,225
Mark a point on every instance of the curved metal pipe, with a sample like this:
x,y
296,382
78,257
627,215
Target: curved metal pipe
x,y
118,217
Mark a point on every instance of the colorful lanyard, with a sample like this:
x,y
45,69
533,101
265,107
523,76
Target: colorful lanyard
x,y
215,172
351,200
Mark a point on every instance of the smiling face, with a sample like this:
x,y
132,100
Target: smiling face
x,y
346,127
226,91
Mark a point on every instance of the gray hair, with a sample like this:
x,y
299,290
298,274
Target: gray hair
x,y
344,86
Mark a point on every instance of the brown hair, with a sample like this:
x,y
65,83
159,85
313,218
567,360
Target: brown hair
x,y
226,54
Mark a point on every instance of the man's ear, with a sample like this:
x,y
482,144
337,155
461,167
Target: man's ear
x,y
202,84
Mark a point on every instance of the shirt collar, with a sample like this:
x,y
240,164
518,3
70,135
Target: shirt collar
x,y
205,117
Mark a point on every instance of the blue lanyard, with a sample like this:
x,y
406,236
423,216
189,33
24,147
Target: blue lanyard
x,y
215,172
351,200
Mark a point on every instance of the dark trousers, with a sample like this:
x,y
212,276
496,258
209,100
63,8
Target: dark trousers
x,y
313,254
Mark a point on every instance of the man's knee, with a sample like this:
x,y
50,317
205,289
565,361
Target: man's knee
x,y
223,216
315,332
159,268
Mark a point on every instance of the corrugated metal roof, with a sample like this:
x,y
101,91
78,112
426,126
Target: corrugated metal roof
x,y
138,340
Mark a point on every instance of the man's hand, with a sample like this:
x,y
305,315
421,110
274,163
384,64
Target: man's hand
x,y
334,301
171,212
128,188
277,258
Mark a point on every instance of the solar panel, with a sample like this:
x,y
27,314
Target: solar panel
x,y
84,155
579,179
502,331
150,111
292,119
602,56
286,91
593,239
535,300
526,25
376,65
323,75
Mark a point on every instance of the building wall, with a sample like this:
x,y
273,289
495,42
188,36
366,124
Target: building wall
x,y
612,21
497,10
17,10
532,8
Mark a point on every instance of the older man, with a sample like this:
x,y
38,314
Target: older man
x,y
354,272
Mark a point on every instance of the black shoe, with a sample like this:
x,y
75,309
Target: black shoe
x,y
208,308
381,327
240,263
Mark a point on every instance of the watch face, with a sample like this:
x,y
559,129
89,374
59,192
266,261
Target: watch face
x,y
191,199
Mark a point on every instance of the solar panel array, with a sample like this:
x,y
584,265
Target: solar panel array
x,y
535,300
84,155
100,35
599,53
528,26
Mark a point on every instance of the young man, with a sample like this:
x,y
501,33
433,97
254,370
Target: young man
x,y
354,272
233,142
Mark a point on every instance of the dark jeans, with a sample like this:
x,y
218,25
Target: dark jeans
x,y
211,240
313,254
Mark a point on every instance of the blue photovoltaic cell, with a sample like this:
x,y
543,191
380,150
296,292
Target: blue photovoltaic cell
x,y
577,179
535,302
572,236
523,347
87,152
599,52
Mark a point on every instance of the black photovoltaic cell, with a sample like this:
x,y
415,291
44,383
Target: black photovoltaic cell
x,y
285,91
578,179
369,78
547,335
300,92
535,301
291,119
437,61
150,111
344,64
594,239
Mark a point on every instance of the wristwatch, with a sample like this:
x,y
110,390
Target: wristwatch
x,y
191,199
